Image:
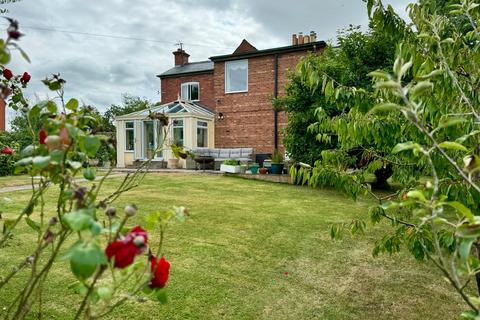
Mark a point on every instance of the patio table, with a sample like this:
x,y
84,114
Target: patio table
x,y
204,162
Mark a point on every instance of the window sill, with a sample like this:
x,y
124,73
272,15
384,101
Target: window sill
x,y
233,92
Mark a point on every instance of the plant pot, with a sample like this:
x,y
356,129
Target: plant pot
x,y
230,169
277,168
263,170
254,169
173,163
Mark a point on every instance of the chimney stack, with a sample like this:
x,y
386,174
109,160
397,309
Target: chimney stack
x,y
304,39
181,57
294,39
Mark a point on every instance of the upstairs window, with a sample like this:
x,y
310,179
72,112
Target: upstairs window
x,y
236,76
129,136
190,91
202,134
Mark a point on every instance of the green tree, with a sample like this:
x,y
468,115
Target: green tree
x,y
129,104
349,63
428,105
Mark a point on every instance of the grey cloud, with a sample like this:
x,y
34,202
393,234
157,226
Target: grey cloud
x,y
98,70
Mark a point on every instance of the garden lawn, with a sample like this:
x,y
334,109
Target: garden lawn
x,y
257,250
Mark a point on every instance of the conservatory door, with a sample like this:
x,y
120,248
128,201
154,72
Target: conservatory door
x,y
152,138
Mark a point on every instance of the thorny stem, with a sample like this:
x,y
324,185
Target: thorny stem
x,y
23,308
89,292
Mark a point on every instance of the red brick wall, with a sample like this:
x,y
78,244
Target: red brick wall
x,y
171,88
249,117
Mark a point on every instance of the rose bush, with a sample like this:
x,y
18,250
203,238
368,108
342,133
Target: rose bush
x,y
113,263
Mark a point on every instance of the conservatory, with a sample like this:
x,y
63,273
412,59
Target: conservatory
x,y
148,134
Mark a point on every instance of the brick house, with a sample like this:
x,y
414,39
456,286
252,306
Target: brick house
x,y
237,89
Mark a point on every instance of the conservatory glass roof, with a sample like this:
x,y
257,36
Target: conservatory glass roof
x,y
179,106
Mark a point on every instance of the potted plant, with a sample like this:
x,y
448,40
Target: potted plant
x,y
263,170
277,163
243,168
178,153
231,166
254,168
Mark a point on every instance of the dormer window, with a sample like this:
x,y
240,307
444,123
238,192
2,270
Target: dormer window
x,y
190,91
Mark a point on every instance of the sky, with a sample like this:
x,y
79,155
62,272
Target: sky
x,y
112,47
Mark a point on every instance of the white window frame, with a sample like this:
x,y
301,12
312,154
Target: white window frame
x,y
226,78
175,126
126,135
189,91
205,127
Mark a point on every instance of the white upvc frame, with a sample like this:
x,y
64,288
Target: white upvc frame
x,y
174,126
129,129
189,92
205,127
225,84
155,140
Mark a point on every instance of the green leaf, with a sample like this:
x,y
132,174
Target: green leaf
x,y
32,224
105,293
379,74
85,259
406,146
421,88
161,295
452,146
90,145
41,162
417,194
7,225
4,56
51,107
72,104
465,248
451,122
79,220
75,165
89,174
390,84
467,213
56,156
386,107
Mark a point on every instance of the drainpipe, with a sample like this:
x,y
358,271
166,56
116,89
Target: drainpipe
x,y
275,95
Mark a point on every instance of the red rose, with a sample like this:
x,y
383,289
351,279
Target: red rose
x,y
25,78
42,135
124,251
160,270
7,150
8,74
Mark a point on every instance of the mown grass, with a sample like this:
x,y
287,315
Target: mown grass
x,y
258,250
22,180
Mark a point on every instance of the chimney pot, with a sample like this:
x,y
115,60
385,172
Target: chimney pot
x,y
294,39
306,39
300,38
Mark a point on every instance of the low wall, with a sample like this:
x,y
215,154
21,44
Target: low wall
x,y
279,178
